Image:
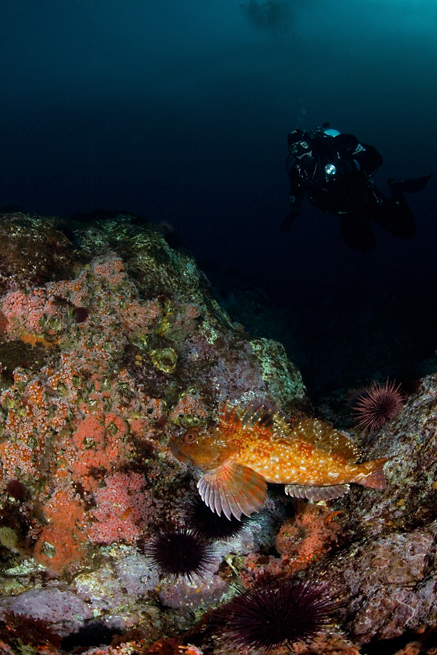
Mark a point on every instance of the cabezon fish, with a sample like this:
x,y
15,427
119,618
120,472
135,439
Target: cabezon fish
x,y
251,447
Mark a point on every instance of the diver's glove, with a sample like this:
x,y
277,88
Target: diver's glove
x,y
289,220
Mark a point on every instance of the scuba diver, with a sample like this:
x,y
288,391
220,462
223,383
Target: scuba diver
x,y
334,170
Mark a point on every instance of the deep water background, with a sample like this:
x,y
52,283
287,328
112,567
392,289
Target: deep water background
x,y
180,111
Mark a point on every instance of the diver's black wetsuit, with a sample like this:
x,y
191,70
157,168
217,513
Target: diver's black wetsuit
x,y
335,173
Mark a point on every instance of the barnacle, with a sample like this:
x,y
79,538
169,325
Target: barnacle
x,y
165,359
8,537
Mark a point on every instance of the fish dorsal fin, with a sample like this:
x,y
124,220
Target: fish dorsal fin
x,y
281,427
227,414
233,489
253,418
326,438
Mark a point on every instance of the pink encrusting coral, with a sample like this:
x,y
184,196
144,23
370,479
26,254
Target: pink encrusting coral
x,y
30,311
140,317
115,373
301,541
62,540
305,538
124,509
69,425
189,406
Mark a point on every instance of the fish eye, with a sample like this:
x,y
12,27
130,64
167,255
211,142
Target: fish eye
x,y
190,437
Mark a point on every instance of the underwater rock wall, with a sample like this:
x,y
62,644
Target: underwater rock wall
x,y
110,343
386,567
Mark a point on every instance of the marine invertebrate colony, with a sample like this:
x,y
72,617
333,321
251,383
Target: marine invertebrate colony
x,y
124,509
251,447
377,404
271,614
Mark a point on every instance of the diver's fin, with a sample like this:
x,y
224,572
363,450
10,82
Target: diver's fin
x,y
288,221
233,489
409,186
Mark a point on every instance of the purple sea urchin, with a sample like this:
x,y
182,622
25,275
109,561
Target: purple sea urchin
x,y
377,404
271,614
210,525
16,489
180,553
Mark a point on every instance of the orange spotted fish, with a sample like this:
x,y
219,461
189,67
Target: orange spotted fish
x,y
251,447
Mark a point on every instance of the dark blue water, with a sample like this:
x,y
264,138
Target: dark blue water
x,y
180,111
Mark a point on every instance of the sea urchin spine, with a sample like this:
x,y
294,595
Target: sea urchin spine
x,y
208,524
377,404
271,614
180,553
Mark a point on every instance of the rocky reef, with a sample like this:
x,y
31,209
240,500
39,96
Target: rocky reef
x,y
110,343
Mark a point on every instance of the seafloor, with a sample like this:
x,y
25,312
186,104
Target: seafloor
x,y
111,342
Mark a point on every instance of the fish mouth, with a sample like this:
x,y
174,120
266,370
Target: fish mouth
x,y
177,452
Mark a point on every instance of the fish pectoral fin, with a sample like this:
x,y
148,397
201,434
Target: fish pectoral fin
x,y
316,493
233,489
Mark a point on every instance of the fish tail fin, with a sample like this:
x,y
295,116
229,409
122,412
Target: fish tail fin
x,y
372,474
